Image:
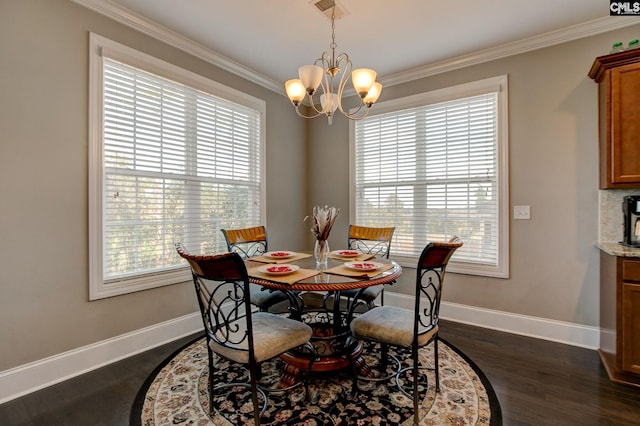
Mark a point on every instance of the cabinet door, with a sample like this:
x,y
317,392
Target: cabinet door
x,y
630,327
624,126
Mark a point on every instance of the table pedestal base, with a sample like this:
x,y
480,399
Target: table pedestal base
x,y
339,357
334,346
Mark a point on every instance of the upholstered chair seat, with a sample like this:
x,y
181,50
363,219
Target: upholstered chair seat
x,y
391,325
369,294
264,298
272,335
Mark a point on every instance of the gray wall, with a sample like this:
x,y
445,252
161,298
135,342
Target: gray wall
x,y
44,307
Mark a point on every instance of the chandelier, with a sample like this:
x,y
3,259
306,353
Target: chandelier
x,y
326,71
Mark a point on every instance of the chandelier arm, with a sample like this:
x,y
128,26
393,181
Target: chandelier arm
x,y
326,84
318,113
354,115
313,106
324,61
343,57
344,79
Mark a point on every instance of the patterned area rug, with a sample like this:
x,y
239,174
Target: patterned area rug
x,y
177,394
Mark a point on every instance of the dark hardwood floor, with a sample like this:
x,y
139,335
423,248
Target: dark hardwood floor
x,y
537,382
545,383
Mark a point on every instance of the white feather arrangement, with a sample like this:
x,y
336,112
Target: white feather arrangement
x,y
323,219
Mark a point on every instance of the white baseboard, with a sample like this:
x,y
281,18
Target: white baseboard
x,y
39,374
540,328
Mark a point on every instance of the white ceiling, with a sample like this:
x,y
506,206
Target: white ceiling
x,y
274,37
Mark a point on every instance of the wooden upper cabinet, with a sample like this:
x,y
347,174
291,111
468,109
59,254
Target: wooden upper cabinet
x,y
618,76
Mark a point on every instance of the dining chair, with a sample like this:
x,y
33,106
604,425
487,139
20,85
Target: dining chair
x,y
369,240
249,242
233,331
404,328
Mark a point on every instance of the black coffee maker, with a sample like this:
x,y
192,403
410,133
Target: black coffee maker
x,y
631,210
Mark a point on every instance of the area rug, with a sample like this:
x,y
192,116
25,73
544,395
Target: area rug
x,y
176,393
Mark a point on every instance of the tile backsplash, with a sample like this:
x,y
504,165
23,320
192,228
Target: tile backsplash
x,y
611,219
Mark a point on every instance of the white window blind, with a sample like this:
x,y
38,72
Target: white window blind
x,y
177,164
432,171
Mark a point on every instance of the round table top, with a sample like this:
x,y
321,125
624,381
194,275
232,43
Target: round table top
x,y
330,282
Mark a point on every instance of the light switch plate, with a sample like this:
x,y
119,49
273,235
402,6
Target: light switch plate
x,y
521,212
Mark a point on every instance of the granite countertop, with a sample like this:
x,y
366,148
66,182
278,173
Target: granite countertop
x,y
617,249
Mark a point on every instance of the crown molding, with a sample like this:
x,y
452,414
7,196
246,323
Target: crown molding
x,y
138,22
574,32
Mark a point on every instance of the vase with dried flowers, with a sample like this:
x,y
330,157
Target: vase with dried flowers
x,y
323,219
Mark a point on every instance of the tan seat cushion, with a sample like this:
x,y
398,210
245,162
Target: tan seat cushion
x,y
369,294
272,335
391,325
264,298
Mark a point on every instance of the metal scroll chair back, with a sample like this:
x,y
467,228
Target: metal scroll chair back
x,y
370,240
392,326
232,330
430,274
223,304
247,242
430,277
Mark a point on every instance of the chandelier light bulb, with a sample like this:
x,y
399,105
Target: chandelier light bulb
x,y
311,77
329,102
295,91
363,79
373,94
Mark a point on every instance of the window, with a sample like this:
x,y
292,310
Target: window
x,y
435,165
173,157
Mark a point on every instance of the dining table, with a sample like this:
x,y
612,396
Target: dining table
x,y
295,274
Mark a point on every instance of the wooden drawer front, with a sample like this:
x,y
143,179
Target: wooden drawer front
x,y
631,270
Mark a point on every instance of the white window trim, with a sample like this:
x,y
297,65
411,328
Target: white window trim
x,y
98,46
498,84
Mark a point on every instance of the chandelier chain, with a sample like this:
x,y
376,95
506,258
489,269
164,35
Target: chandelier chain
x,y
333,28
